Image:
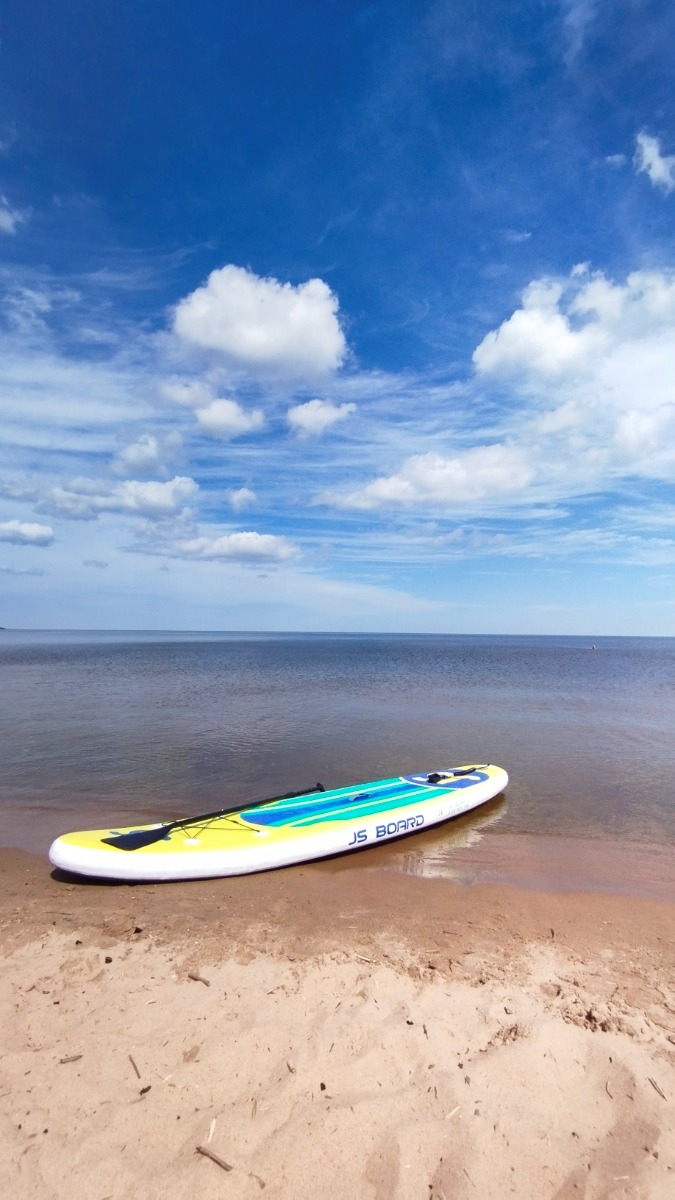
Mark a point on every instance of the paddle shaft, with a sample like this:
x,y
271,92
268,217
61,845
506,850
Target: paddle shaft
x,y
136,839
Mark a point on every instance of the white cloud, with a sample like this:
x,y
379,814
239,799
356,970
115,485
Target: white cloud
x,y
538,336
584,372
571,327
84,499
262,326
659,168
240,498
515,236
245,546
147,455
315,416
435,481
227,419
217,416
25,533
592,363
640,433
10,218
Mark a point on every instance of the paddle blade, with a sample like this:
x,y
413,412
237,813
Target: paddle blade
x,y
136,839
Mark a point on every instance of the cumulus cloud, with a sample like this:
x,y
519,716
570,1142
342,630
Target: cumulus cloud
x,y
587,364
245,546
592,362
216,415
262,326
227,419
85,499
315,416
436,481
658,167
10,218
241,498
568,327
146,456
25,533
538,336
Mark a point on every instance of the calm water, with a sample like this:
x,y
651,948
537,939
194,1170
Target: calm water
x,y
98,728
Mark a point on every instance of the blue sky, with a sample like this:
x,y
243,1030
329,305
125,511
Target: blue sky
x,y
338,316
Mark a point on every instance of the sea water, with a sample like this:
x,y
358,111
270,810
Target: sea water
x,y
99,728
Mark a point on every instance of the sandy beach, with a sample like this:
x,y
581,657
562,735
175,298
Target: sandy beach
x,y
337,1030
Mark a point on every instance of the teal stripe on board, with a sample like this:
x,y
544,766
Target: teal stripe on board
x,y
343,805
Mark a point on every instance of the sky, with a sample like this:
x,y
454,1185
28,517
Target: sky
x,y
343,316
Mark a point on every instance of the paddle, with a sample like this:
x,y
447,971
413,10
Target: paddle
x,y
136,839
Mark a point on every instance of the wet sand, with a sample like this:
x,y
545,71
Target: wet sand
x,y
340,1029
555,864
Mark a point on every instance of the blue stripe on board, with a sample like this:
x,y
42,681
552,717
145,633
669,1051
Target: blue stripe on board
x,y
350,805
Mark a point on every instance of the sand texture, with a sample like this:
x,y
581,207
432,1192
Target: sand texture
x,y
333,1031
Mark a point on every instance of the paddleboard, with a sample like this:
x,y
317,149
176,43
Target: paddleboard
x,y
274,833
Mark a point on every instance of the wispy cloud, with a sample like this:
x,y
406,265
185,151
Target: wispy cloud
x,y
10,218
578,17
649,160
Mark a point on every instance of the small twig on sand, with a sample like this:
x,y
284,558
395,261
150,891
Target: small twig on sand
x,y
138,1074
214,1157
194,975
656,1087
608,1091
74,1058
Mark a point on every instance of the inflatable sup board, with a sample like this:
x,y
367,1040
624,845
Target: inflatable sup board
x,y
286,829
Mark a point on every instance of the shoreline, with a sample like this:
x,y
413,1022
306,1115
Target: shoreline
x,y
334,1028
471,850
